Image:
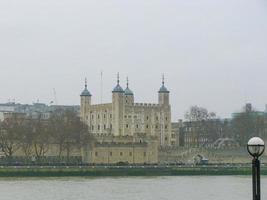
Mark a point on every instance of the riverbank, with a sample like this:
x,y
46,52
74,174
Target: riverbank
x,y
125,171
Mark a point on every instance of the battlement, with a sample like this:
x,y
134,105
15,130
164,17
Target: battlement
x,y
121,144
146,105
106,105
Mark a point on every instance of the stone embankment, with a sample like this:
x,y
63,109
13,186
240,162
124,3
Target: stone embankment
x,y
155,170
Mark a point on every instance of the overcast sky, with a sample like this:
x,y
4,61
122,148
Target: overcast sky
x,y
213,52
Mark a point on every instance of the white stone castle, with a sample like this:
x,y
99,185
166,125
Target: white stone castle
x,y
124,117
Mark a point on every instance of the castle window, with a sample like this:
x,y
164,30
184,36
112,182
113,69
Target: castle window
x,y
137,126
144,154
126,101
96,154
157,118
166,118
104,126
121,154
110,126
147,118
156,126
110,153
127,126
166,126
110,115
98,116
92,127
146,126
125,116
92,116
166,138
104,116
130,153
98,127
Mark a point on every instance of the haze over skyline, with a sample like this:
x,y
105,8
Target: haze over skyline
x,y
213,53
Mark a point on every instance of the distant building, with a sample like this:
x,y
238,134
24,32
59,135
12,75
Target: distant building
x,y
35,110
199,133
249,109
8,107
177,133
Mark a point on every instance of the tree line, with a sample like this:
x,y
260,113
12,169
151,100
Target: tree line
x,y
241,127
34,136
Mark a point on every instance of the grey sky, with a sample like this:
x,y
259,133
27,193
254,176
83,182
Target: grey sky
x,y
213,53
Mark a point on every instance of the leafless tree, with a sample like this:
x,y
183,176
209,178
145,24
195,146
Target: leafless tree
x,y
203,125
41,137
68,131
10,135
27,137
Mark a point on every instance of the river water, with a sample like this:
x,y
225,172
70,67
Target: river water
x,y
130,188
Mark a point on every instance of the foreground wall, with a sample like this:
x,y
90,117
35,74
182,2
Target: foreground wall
x,y
112,153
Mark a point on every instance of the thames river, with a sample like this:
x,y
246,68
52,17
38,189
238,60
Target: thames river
x,y
130,188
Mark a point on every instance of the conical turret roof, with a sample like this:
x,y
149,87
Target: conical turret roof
x,y
163,89
127,90
85,92
118,88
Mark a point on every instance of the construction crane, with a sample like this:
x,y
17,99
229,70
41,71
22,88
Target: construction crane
x,y
55,96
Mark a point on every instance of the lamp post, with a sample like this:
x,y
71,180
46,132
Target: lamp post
x,y
256,148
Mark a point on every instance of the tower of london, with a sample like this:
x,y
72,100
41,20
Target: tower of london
x,y
124,117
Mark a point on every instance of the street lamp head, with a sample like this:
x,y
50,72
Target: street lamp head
x,y
256,147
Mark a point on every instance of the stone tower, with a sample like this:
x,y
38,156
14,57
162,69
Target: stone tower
x,y
165,115
164,94
85,102
117,109
129,95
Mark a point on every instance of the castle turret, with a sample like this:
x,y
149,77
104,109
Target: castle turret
x,y
85,102
164,94
129,95
165,116
117,108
